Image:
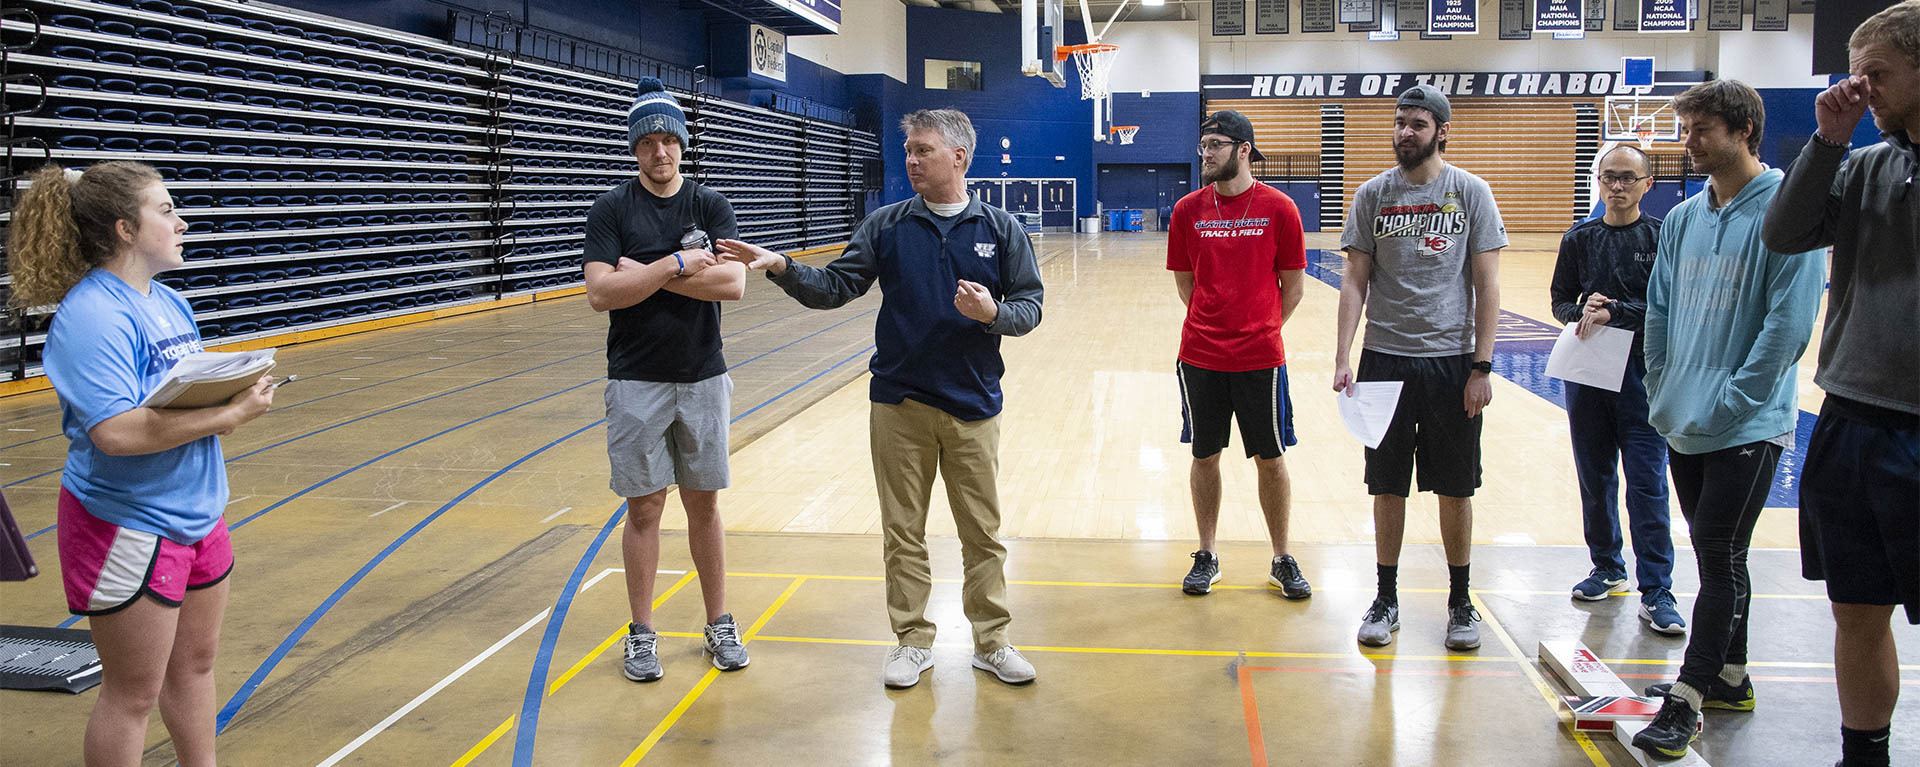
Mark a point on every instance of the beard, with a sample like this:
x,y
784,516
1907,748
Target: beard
x,y
1413,156
1225,170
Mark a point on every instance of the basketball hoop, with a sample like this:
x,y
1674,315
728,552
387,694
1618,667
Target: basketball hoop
x,y
1644,135
1094,60
1125,132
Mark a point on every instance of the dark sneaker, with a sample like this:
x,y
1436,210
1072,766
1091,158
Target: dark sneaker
x,y
1657,609
1672,730
1382,619
1286,575
642,663
1719,696
723,643
1205,573
1600,584
1461,633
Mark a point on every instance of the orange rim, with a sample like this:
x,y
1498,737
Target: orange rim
x,y
1118,128
1064,52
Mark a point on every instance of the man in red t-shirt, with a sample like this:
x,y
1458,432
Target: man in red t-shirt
x,y
1237,255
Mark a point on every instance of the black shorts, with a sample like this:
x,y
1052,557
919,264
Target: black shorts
x,y
1210,400
1860,505
1430,426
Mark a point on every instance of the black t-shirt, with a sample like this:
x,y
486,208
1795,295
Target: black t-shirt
x,y
668,337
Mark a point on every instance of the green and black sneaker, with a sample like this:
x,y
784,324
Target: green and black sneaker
x,y
1672,730
1719,696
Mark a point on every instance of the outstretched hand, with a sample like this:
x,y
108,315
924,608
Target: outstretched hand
x,y
754,256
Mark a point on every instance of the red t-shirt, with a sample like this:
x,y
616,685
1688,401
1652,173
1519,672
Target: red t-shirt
x,y
1236,248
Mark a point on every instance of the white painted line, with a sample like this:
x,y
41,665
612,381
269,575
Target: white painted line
x,y
612,570
387,509
237,500
363,358
511,341
576,326
432,691
436,358
555,514
344,378
19,430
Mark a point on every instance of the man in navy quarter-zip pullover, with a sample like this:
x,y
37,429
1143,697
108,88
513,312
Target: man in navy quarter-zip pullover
x,y
956,276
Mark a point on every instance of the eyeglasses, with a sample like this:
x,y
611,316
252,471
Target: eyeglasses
x,y
1620,179
1209,147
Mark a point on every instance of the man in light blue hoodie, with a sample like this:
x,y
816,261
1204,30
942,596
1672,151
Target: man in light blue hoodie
x,y
1727,319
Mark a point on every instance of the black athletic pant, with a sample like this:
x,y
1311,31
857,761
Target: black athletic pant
x,y
1721,494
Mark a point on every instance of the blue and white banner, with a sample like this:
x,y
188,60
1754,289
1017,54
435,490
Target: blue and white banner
x,y
824,14
1453,17
1390,84
1558,16
1663,15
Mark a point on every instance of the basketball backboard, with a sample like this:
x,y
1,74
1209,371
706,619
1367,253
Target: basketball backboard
x,y
1043,25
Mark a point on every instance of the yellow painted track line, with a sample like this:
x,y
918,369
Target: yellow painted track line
x,y
660,730
481,747
1225,587
588,659
1533,675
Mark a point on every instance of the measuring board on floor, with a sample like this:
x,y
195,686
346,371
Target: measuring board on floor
x,y
1596,688
35,658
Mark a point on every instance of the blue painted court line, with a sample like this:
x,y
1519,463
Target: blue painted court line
x,y
259,675
1521,347
529,724
796,387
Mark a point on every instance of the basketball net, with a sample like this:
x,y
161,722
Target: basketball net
x,y
1643,133
1094,62
1126,132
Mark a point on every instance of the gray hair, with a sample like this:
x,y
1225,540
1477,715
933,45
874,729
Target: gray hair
x,y
952,125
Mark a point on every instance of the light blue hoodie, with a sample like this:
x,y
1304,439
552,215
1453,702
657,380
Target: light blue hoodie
x,y
1726,321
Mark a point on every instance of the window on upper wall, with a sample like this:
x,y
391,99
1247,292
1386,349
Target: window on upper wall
x,y
953,75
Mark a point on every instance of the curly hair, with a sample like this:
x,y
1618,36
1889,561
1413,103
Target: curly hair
x,y
65,225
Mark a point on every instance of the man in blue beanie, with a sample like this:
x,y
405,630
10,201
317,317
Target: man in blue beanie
x,y
649,265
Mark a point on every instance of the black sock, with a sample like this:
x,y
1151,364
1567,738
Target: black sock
x,y
1389,582
1865,748
1457,585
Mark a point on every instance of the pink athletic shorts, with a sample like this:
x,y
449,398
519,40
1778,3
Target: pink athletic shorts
x,y
106,567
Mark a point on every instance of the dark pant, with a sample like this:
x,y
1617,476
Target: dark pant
x,y
1610,429
1721,494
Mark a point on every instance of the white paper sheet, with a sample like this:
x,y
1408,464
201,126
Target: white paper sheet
x,y
1599,360
1370,410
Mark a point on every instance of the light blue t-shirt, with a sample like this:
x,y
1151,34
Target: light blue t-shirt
x,y
109,347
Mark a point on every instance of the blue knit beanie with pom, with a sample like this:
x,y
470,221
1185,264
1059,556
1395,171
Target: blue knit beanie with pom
x,y
655,111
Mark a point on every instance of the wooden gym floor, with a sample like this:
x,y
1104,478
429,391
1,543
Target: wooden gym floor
x,y
425,574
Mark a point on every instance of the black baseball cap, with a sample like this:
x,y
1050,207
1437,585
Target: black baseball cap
x,y
1233,125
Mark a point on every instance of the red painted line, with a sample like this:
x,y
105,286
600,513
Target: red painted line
x,y
1256,743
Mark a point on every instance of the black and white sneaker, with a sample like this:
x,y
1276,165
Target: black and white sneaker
x,y
1378,625
1461,633
642,664
1286,575
1205,573
722,639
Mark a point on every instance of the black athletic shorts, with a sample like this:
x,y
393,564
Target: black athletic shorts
x,y
1860,505
1210,400
1430,426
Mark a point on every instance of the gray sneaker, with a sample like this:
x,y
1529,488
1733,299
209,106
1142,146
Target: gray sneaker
x,y
1382,619
904,666
723,643
1461,633
1006,663
642,664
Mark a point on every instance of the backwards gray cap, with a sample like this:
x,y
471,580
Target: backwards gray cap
x,y
1429,98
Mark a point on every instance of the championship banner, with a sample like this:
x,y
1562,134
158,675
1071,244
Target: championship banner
x,y
1388,85
1723,15
1560,16
1770,15
1596,15
1270,17
1316,15
1663,15
1453,17
1229,18
1357,11
1515,23
1410,15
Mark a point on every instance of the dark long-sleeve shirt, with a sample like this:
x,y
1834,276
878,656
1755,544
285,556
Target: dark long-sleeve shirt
x,y
1867,209
926,350
1614,261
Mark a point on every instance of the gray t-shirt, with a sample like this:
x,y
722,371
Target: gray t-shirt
x,y
1420,292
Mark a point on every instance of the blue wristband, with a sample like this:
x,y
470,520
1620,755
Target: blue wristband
x,y
683,264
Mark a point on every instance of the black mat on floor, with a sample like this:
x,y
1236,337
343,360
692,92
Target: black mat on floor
x,y
35,658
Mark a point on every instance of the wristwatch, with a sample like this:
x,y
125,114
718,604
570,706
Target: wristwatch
x,y
1483,366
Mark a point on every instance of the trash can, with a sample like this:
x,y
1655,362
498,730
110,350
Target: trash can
x,y
1089,224
1134,220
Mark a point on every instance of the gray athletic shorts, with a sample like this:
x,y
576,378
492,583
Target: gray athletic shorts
x,y
661,434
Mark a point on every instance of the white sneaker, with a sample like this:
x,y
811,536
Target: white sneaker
x,y
904,666
1007,664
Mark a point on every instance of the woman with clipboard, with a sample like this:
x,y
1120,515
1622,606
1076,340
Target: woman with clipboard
x,y
144,489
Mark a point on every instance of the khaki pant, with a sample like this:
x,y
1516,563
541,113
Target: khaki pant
x,y
911,441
